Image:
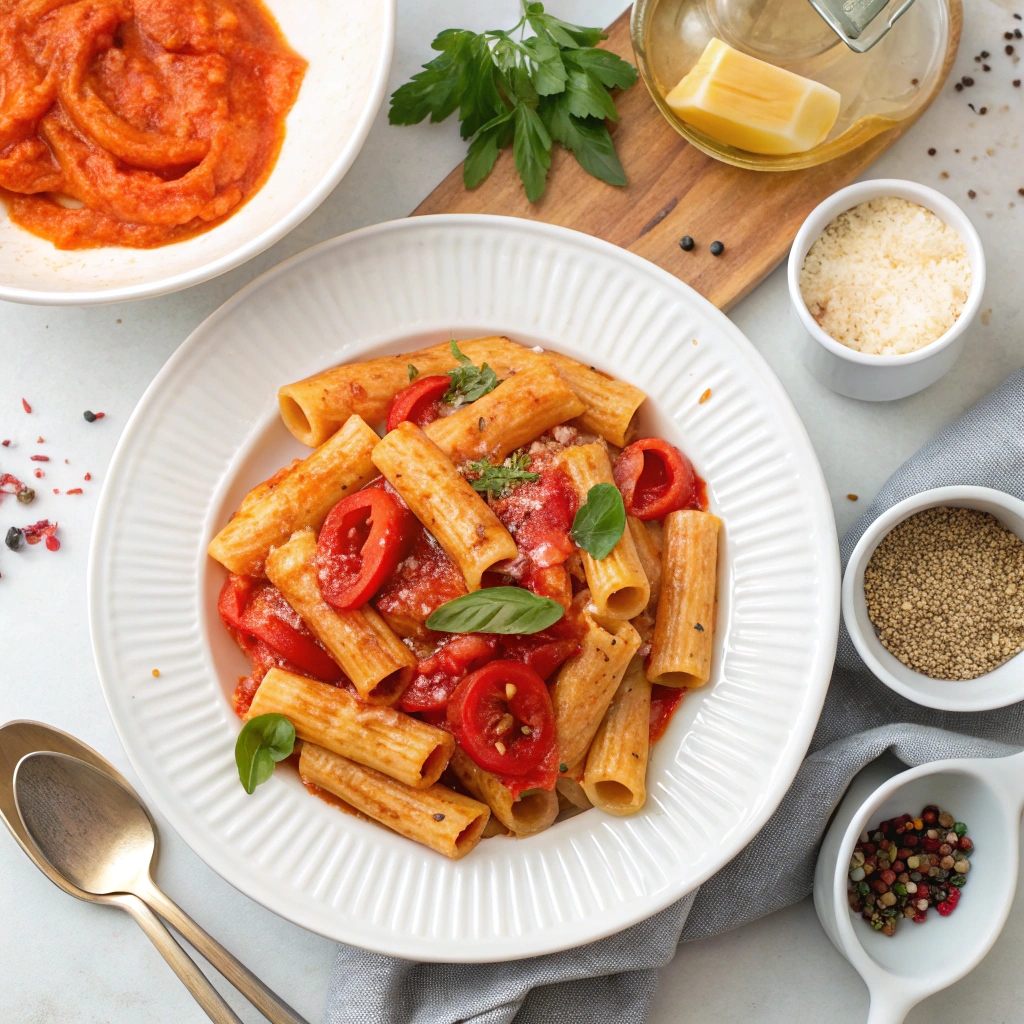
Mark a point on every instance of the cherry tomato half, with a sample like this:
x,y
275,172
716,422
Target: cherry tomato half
x,y
437,676
502,716
418,402
258,609
654,478
362,540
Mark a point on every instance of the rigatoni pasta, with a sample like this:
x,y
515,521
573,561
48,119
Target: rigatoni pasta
x,y
446,821
512,415
615,777
298,497
540,600
444,502
685,623
397,745
360,641
618,584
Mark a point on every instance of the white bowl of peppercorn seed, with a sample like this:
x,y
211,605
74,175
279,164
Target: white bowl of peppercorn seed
x,y
925,948
933,598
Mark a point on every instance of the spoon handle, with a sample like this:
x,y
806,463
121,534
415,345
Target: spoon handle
x,y
181,963
267,1002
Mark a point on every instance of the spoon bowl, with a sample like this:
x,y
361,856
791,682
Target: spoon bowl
x,y
85,823
919,960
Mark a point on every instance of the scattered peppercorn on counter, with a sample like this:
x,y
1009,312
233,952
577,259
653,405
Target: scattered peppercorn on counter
x,y
907,865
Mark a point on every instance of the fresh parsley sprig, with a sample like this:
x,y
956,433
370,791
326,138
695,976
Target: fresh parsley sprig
x,y
496,481
468,381
523,91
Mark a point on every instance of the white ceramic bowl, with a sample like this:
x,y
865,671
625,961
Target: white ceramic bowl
x,y
208,429
875,378
348,46
996,689
920,960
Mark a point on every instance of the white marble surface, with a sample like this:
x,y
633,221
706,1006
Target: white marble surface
x,y
68,962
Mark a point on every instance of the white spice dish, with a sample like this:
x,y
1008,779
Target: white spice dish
x,y
1003,685
867,375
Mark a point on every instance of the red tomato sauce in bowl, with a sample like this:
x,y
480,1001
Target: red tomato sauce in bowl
x,y
138,122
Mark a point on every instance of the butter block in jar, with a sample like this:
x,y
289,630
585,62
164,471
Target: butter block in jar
x,y
752,105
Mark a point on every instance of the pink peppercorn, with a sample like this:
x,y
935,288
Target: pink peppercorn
x,y
888,876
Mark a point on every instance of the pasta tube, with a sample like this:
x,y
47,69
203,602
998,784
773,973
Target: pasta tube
x,y
512,415
298,497
524,817
572,792
618,585
360,641
586,683
685,623
443,501
615,778
312,409
401,747
446,821
649,553
611,404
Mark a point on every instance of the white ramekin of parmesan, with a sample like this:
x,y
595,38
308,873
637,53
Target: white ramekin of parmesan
x,y
884,278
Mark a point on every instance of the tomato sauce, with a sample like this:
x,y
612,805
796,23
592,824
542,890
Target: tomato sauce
x,y
664,701
138,122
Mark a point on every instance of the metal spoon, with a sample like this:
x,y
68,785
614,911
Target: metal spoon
x,y
97,834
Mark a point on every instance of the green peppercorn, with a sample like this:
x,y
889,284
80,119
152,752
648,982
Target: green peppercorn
x,y
863,888
958,880
876,923
26,495
14,538
960,829
900,889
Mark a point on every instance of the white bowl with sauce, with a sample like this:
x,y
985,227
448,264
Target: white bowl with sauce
x,y
349,49
996,689
864,375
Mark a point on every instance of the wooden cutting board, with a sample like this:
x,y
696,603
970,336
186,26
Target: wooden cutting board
x,y
675,190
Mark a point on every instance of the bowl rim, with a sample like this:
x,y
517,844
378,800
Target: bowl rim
x,y
870,648
264,240
853,195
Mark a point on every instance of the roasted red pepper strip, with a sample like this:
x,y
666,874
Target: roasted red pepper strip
x,y
655,478
258,609
363,539
502,716
418,402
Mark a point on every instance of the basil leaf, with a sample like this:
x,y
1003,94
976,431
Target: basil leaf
x,y
600,522
496,610
263,741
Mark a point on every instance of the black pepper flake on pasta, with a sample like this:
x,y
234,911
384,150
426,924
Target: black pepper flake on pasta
x,y
438,817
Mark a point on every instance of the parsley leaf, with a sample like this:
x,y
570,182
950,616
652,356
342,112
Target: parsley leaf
x,y
413,373
523,91
499,480
468,382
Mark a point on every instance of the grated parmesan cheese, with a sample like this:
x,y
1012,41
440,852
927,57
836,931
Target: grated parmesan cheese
x,y
887,277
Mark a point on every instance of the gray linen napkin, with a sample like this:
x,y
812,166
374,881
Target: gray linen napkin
x,y
612,981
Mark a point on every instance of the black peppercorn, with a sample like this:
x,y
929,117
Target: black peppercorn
x,y
1009,50
686,243
90,417
14,538
717,248
931,152
985,53
967,80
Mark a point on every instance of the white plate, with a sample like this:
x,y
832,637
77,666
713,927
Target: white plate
x,y
207,430
348,46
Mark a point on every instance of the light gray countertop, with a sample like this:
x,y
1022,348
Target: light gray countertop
x,y
68,962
